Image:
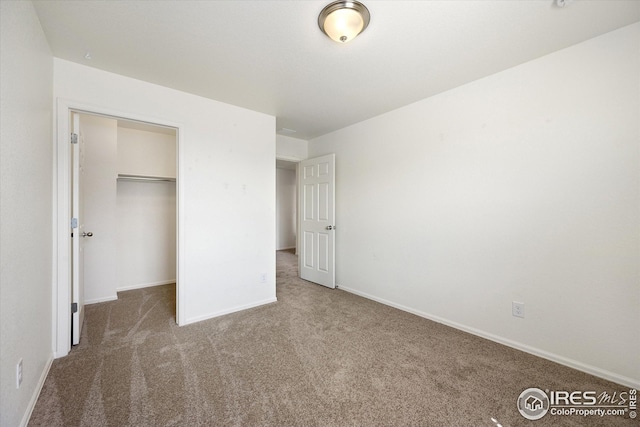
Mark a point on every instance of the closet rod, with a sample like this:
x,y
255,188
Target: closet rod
x,y
145,178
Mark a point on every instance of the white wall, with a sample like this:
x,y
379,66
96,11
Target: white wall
x,y
146,234
148,153
285,208
100,214
288,148
146,210
228,207
522,186
26,158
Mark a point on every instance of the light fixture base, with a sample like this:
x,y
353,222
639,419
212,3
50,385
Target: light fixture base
x,y
343,20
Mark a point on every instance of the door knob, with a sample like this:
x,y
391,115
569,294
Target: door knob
x,y
85,234
330,227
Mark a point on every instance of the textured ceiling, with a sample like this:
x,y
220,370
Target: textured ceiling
x,y
270,56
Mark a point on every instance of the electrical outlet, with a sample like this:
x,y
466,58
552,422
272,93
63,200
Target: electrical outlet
x,y
19,374
263,278
517,309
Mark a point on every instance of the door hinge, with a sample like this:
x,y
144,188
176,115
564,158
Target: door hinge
x,y
74,222
74,307
74,138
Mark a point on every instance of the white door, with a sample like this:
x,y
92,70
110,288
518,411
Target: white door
x,y
316,186
77,232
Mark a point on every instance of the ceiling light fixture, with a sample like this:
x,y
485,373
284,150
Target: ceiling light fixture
x,y
342,21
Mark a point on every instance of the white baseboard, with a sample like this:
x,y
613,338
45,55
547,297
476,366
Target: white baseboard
x,y
98,300
36,393
589,369
146,285
229,311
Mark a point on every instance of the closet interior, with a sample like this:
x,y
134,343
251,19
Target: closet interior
x,y
146,205
130,205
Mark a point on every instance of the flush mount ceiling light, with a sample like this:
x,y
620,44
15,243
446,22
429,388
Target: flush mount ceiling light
x,y
342,21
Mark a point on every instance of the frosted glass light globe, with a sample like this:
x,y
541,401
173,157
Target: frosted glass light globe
x,y
342,21
343,25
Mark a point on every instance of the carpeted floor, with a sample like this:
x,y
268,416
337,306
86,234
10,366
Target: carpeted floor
x,y
317,357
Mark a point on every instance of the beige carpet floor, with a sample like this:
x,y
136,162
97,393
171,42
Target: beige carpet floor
x,y
317,357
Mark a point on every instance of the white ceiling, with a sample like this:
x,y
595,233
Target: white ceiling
x,y
270,56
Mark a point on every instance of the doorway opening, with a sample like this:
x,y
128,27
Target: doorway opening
x,y
133,195
286,205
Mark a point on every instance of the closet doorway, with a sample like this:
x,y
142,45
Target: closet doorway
x,y
131,199
129,239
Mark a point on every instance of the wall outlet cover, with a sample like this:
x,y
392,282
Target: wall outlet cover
x,y
517,309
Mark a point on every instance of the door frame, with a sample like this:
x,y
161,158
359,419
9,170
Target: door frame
x,y
296,160
61,309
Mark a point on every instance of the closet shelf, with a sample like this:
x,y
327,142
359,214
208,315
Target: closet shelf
x,y
145,178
